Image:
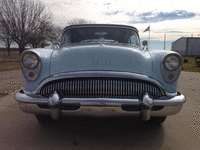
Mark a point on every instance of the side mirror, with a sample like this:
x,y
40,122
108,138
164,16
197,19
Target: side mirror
x,y
145,43
56,44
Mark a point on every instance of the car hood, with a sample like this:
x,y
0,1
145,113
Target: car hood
x,y
101,57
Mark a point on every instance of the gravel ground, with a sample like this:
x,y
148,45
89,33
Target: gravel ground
x,y
10,81
22,131
191,86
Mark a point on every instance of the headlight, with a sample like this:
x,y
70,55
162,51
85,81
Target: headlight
x,y
30,60
31,64
171,62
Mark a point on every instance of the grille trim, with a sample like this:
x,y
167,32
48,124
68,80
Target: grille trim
x,y
96,87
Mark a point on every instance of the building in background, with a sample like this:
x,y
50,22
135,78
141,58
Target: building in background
x,y
187,46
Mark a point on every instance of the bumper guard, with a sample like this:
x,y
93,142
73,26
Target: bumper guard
x,y
55,101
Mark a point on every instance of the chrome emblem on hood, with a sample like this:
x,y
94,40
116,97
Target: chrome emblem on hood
x,y
101,63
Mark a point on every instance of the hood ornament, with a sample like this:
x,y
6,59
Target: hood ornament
x,y
102,41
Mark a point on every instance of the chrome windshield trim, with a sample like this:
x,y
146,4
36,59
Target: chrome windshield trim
x,y
111,74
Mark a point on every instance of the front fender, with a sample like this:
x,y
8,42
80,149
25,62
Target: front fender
x,y
157,57
45,55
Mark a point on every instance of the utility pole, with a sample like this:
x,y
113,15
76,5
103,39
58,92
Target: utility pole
x,y
149,39
164,41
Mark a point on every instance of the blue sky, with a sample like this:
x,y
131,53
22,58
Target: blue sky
x,y
174,18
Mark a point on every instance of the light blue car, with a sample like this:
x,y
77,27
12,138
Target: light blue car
x,y
100,70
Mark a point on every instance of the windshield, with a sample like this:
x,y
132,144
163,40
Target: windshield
x,y
100,35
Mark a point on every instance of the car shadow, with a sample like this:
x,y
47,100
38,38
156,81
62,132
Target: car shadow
x,y
103,133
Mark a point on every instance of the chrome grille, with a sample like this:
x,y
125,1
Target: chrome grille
x,y
101,88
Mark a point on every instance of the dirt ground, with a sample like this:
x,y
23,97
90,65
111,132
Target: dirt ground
x,y
10,81
9,62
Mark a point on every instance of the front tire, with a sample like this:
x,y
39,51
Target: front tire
x,y
44,119
157,120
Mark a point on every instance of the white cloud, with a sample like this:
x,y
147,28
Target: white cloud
x,y
116,11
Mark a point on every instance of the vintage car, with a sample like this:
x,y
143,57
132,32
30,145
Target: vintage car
x,y
100,70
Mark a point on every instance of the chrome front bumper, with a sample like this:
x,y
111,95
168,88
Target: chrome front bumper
x,y
57,106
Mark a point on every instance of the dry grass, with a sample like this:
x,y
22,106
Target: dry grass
x,y
9,63
191,65
4,93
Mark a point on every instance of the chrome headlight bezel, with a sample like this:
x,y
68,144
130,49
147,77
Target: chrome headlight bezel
x,y
32,67
172,62
171,75
30,60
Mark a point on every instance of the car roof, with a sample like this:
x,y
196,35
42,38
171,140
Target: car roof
x,y
100,25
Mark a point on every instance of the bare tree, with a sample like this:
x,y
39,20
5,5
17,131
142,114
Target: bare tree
x,y
38,38
23,18
55,35
6,39
79,21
